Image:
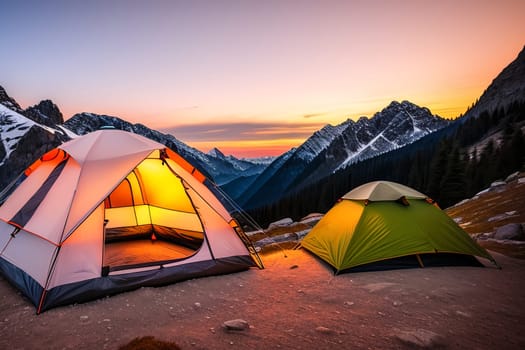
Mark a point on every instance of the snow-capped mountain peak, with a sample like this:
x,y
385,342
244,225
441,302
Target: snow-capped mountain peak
x,y
13,127
397,125
23,138
215,152
320,140
336,147
265,160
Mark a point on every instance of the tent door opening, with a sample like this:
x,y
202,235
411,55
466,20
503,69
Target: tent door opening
x,y
149,220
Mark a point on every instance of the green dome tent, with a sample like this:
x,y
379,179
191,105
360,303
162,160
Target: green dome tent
x,y
384,220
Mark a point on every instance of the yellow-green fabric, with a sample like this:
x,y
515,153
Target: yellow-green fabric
x,y
353,234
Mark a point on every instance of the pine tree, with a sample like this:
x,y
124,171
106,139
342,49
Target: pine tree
x,y
486,169
453,184
517,147
416,175
473,184
506,154
438,167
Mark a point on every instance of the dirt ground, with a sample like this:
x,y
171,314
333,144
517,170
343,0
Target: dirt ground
x,y
295,303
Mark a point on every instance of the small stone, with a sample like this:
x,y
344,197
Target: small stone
x,y
511,231
236,325
348,303
197,304
324,330
421,338
84,318
293,267
464,314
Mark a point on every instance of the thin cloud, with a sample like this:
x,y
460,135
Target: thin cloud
x,y
313,115
214,131
242,131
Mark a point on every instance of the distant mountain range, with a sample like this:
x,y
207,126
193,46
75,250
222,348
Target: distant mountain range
x,y
336,147
215,165
249,181
27,134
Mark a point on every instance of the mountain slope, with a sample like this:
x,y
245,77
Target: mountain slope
x,y
396,126
334,148
506,88
255,184
237,169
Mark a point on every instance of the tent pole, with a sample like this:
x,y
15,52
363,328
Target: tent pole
x,y
419,261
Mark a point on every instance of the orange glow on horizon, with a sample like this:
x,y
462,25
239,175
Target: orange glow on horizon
x,y
249,149
276,146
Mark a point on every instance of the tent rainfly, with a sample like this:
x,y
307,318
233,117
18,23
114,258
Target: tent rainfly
x,y
112,211
381,221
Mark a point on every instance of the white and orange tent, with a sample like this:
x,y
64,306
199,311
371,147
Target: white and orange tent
x,y
111,211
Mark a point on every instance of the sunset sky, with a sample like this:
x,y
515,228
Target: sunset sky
x,y
254,77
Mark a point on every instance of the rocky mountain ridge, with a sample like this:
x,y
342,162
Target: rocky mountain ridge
x,y
22,139
240,178
27,134
216,166
507,87
336,147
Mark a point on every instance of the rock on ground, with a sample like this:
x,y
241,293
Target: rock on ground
x,y
511,231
